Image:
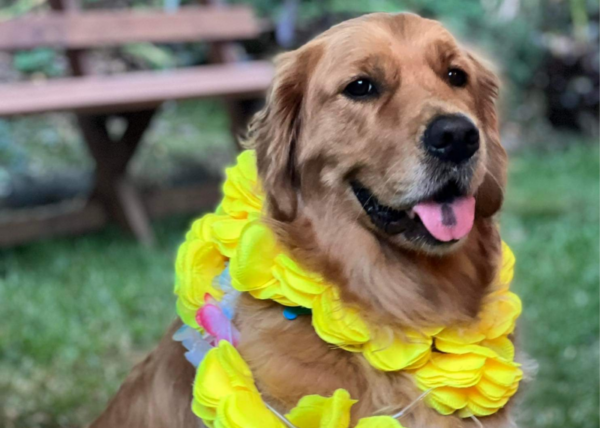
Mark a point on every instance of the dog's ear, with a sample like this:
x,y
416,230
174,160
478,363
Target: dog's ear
x,y
490,194
276,128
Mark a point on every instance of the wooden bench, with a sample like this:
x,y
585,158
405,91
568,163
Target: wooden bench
x,y
134,96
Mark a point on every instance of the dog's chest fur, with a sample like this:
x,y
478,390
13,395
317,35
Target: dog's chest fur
x,y
289,361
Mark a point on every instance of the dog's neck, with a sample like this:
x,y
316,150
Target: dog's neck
x,y
390,285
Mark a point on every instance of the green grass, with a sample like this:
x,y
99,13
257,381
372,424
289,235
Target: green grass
x,y
77,313
551,221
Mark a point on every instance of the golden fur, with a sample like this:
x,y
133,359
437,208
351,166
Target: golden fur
x,y
310,140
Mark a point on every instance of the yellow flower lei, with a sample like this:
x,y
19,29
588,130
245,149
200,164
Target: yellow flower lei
x,y
467,369
225,396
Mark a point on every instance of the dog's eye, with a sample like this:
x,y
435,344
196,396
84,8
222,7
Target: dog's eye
x,y
457,77
360,88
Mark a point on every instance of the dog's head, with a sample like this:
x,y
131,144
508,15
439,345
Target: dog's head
x,y
383,126
391,119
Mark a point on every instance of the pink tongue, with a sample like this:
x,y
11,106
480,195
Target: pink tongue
x,y
449,220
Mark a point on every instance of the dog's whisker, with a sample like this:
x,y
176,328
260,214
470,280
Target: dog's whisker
x,y
395,166
493,177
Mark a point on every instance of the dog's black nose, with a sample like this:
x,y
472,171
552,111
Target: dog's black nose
x,y
452,138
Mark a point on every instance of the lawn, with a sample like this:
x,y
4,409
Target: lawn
x,y
77,313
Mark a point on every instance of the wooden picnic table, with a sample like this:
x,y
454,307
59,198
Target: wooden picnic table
x,y
134,96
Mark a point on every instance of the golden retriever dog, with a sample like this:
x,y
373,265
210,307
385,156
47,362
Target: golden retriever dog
x,y
379,153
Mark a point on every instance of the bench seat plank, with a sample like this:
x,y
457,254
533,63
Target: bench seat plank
x,y
91,29
130,91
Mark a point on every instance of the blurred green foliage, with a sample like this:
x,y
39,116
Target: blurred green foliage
x,y
510,33
40,60
157,57
11,8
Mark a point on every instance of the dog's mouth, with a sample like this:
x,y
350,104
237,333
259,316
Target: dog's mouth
x,y
442,218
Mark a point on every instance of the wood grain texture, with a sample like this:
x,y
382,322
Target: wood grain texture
x,y
78,30
132,91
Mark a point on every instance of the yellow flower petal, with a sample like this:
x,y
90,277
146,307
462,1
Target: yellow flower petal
x,y
187,313
201,228
419,362
491,389
430,376
453,348
336,411
462,335
236,368
336,323
212,382
464,412
431,331
452,398
251,267
502,373
483,401
222,372
243,195
389,352
315,411
226,234
308,412
474,409
246,164
198,263
457,363
207,414
379,422
245,409
441,408
499,316
514,387
298,285
502,346
273,292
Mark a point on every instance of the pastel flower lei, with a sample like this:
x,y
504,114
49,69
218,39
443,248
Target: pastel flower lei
x,y
468,369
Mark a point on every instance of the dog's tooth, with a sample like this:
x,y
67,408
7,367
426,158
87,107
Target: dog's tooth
x,y
411,214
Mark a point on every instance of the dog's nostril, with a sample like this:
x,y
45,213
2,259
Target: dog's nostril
x,y
472,137
446,140
451,138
